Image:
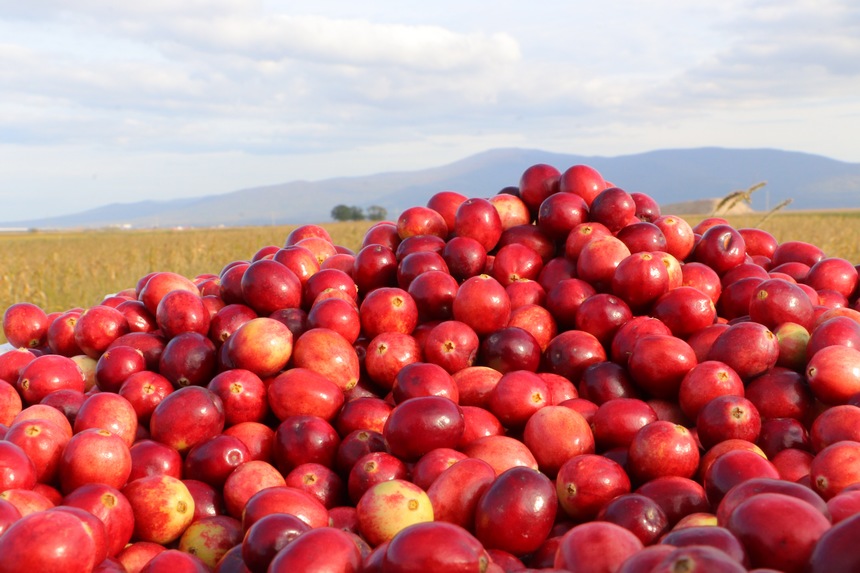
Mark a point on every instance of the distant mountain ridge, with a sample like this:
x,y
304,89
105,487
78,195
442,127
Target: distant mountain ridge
x,y
669,176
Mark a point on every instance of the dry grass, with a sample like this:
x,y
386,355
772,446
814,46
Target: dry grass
x,y
62,270
836,232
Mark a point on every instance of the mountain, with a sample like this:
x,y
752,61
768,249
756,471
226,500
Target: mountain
x,y
669,176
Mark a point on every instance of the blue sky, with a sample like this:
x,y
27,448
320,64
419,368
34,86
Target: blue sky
x,y
104,101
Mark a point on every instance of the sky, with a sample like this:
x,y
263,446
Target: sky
x,y
104,101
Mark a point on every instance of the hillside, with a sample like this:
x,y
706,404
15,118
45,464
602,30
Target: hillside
x,y
670,176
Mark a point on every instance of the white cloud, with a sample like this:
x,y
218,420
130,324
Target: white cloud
x,y
256,74
795,51
108,9
347,42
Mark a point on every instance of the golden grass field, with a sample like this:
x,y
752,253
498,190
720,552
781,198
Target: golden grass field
x,y
63,270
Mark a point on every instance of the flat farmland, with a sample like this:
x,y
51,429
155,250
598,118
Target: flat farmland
x,y
68,269
63,270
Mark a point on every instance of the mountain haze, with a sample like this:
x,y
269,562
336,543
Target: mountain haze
x,y
669,176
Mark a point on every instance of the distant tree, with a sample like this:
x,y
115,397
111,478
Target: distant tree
x,y
376,213
340,213
347,213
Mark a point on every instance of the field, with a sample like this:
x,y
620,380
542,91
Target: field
x,y
62,270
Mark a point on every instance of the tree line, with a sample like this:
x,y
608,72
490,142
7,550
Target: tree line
x,y
354,213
